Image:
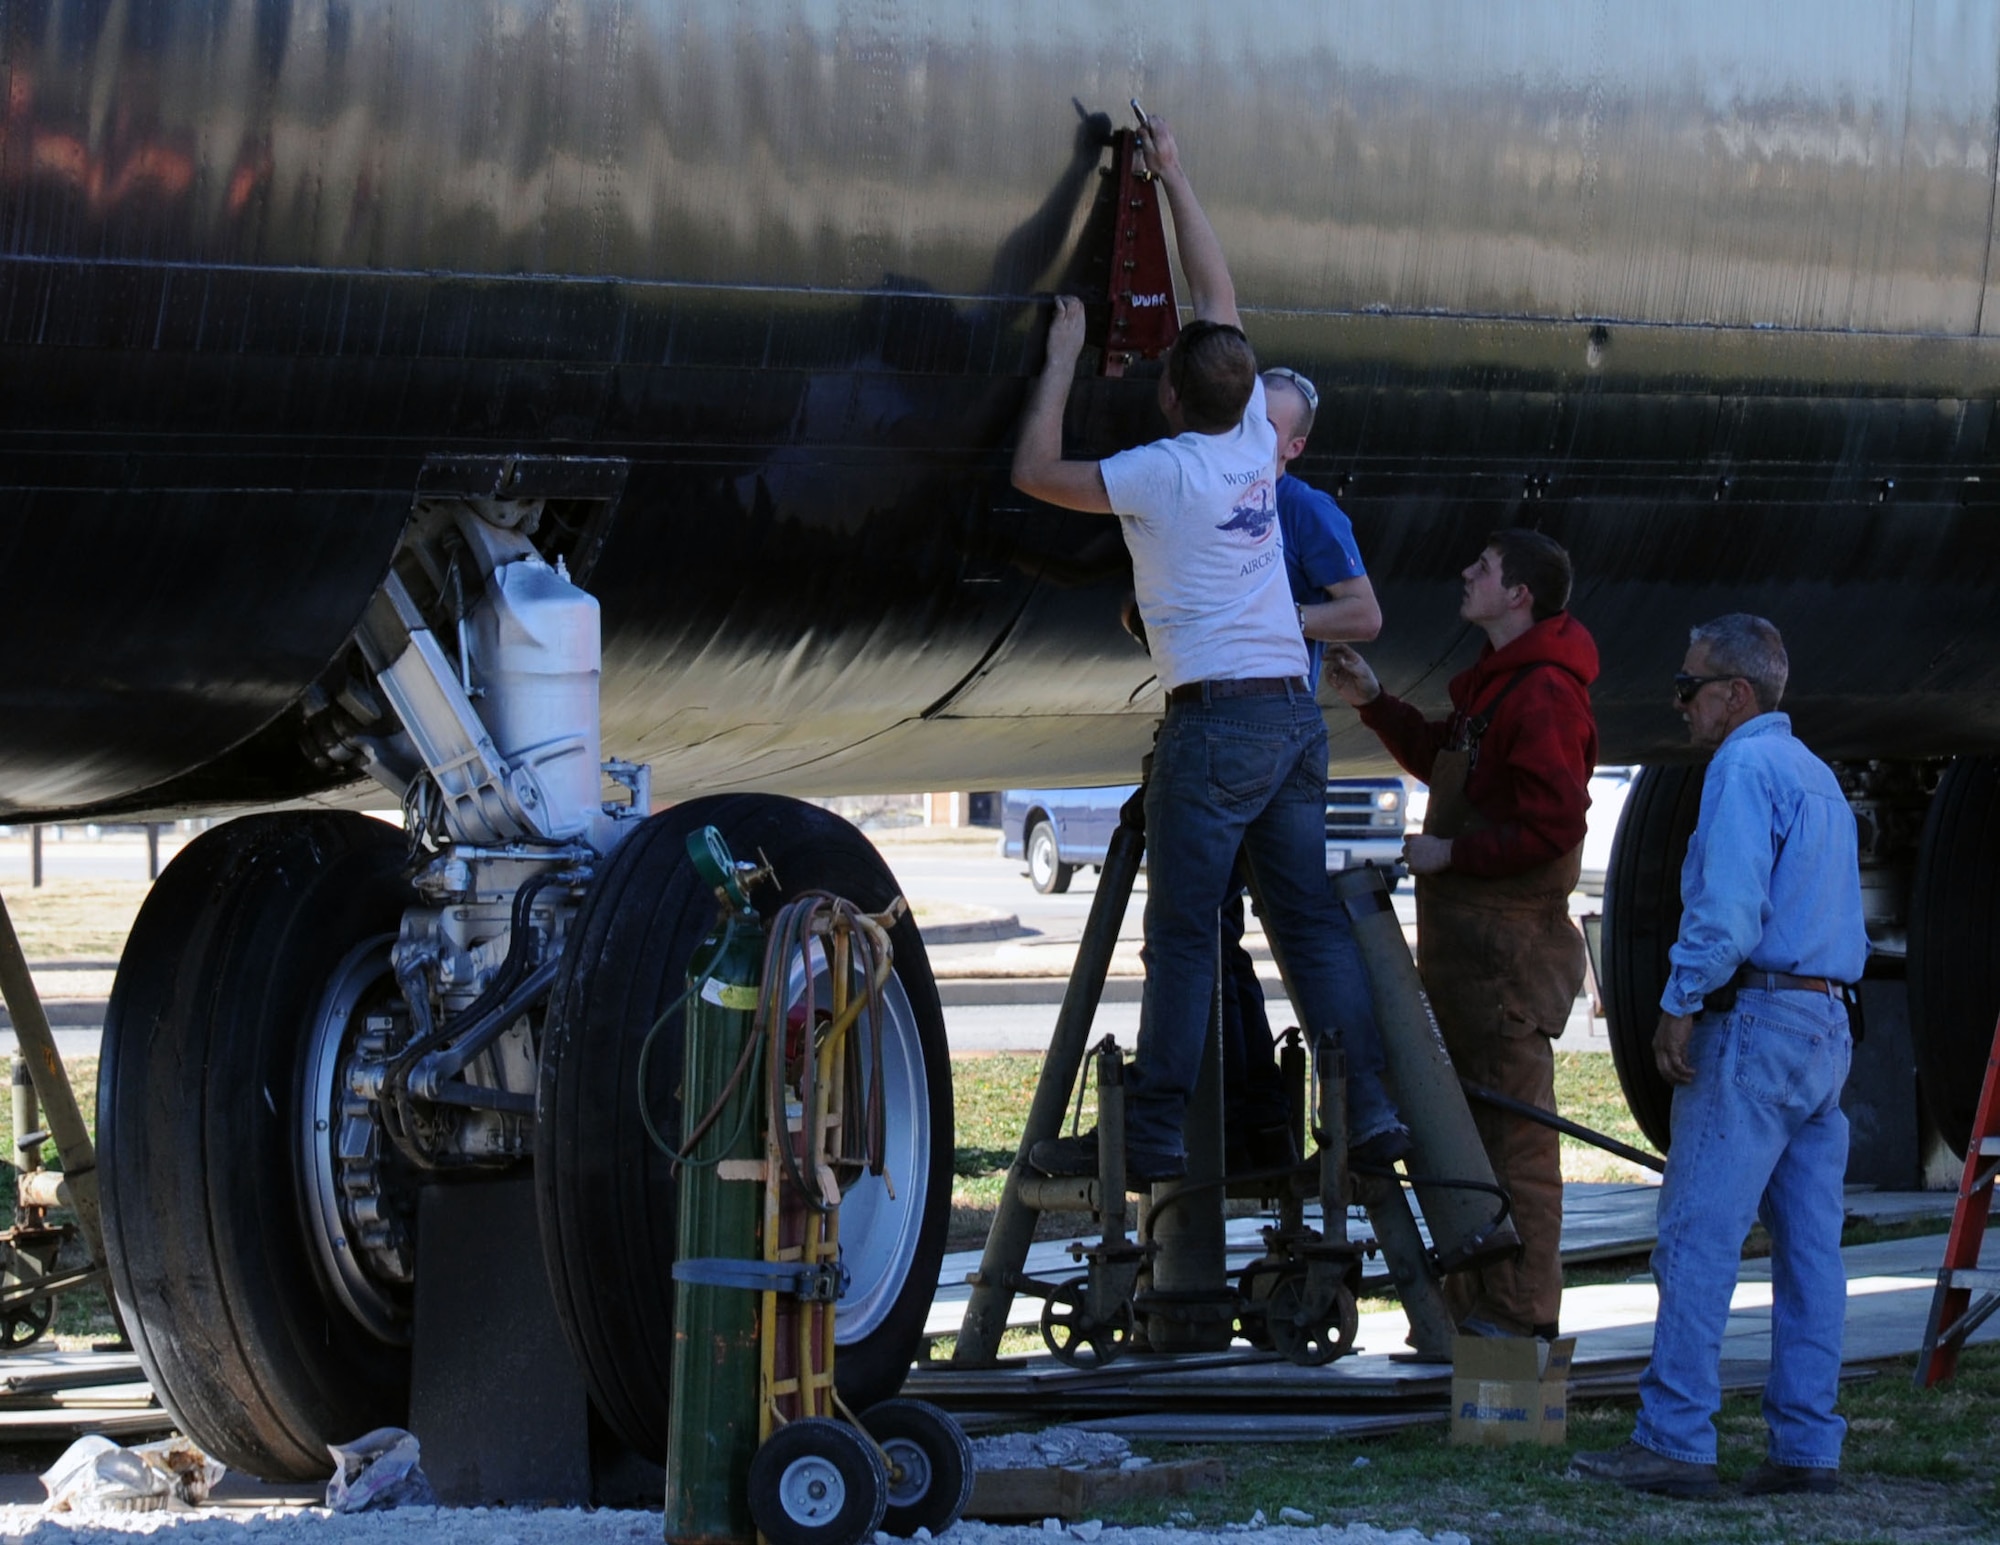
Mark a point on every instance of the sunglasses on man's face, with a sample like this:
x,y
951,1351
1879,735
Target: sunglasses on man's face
x,y
1686,686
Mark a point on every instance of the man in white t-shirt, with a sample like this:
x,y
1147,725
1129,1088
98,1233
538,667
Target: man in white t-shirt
x,y
1240,762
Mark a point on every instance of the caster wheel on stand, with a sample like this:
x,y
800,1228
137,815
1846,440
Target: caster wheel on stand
x,y
1309,1334
25,1324
1075,1335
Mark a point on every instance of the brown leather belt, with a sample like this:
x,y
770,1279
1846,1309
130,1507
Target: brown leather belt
x,y
1784,981
1249,686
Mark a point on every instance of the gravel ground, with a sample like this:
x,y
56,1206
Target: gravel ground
x,y
569,1526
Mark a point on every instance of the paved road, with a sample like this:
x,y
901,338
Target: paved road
x,y
120,857
976,876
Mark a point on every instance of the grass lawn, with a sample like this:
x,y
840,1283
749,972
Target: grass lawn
x,y
73,919
1918,1466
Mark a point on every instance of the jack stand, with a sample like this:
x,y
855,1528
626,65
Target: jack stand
x,y
1172,1285
29,1278
1000,1266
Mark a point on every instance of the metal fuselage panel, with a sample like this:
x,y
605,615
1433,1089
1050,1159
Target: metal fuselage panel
x,y
1704,292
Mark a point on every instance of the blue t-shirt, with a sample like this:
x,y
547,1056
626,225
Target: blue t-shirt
x,y
1319,551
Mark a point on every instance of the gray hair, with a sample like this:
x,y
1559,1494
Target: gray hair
x,y
1750,647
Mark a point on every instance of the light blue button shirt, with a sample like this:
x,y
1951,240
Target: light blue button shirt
x,y
1772,876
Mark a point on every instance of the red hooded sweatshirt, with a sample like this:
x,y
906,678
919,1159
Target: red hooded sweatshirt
x,y
1531,781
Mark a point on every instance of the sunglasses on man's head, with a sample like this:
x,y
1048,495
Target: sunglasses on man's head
x,y
1685,686
1306,389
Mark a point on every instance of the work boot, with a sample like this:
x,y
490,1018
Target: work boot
x,y
1272,1147
1640,1469
1077,1156
1381,1150
1771,1479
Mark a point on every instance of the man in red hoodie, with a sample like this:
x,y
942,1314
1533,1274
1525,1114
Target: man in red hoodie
x,y
1509,775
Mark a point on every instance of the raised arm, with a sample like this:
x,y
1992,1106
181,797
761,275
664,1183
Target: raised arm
x,y
1039,469
1213,292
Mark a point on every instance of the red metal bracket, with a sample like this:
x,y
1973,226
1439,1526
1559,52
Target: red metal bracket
x,y
1145,316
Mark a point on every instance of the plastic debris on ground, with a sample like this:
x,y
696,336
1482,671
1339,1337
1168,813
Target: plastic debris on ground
x,y
95,1475
377,1471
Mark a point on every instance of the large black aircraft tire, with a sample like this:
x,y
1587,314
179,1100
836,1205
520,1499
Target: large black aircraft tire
x,y
197,1093
606,1197
1642,915
1954,962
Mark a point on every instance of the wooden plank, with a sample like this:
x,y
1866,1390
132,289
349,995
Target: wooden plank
x,y
66,1370
1072,1494
70,1424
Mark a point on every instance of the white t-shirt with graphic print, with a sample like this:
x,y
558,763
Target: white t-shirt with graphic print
x,y
1200,514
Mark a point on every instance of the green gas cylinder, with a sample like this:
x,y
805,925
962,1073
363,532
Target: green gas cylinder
x,y
712,1399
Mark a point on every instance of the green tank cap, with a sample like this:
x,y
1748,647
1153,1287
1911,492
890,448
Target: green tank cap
x,y
717,867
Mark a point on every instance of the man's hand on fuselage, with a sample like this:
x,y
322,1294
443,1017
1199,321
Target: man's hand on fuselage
x,y
1158,152
1039,469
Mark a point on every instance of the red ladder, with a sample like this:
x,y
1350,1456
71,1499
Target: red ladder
x,y
1954,1313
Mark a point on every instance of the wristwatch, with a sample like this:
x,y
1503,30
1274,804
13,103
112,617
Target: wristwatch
x,y
1300,609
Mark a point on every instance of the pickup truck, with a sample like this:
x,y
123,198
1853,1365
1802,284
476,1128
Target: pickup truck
x,y
1058,831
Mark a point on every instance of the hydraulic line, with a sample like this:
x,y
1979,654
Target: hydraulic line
x,y
1576,1129
502,983
443,1065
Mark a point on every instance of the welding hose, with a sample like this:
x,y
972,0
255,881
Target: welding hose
x,y
714,1113
792,931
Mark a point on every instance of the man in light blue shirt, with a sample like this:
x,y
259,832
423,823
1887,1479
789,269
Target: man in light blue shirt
x,y
1771,919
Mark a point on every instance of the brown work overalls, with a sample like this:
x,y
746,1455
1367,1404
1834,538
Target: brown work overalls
x,y
1503,964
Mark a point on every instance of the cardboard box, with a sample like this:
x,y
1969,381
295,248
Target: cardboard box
x,y
1510,1389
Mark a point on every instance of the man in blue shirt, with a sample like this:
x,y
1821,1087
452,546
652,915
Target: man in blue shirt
x,y
1336,604
1771,897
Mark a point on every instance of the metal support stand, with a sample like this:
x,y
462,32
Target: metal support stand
x,y
1006,1253
28,1279
1411,1268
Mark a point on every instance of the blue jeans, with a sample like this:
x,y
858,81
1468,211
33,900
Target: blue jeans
x,y
1248,774
1759,1133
